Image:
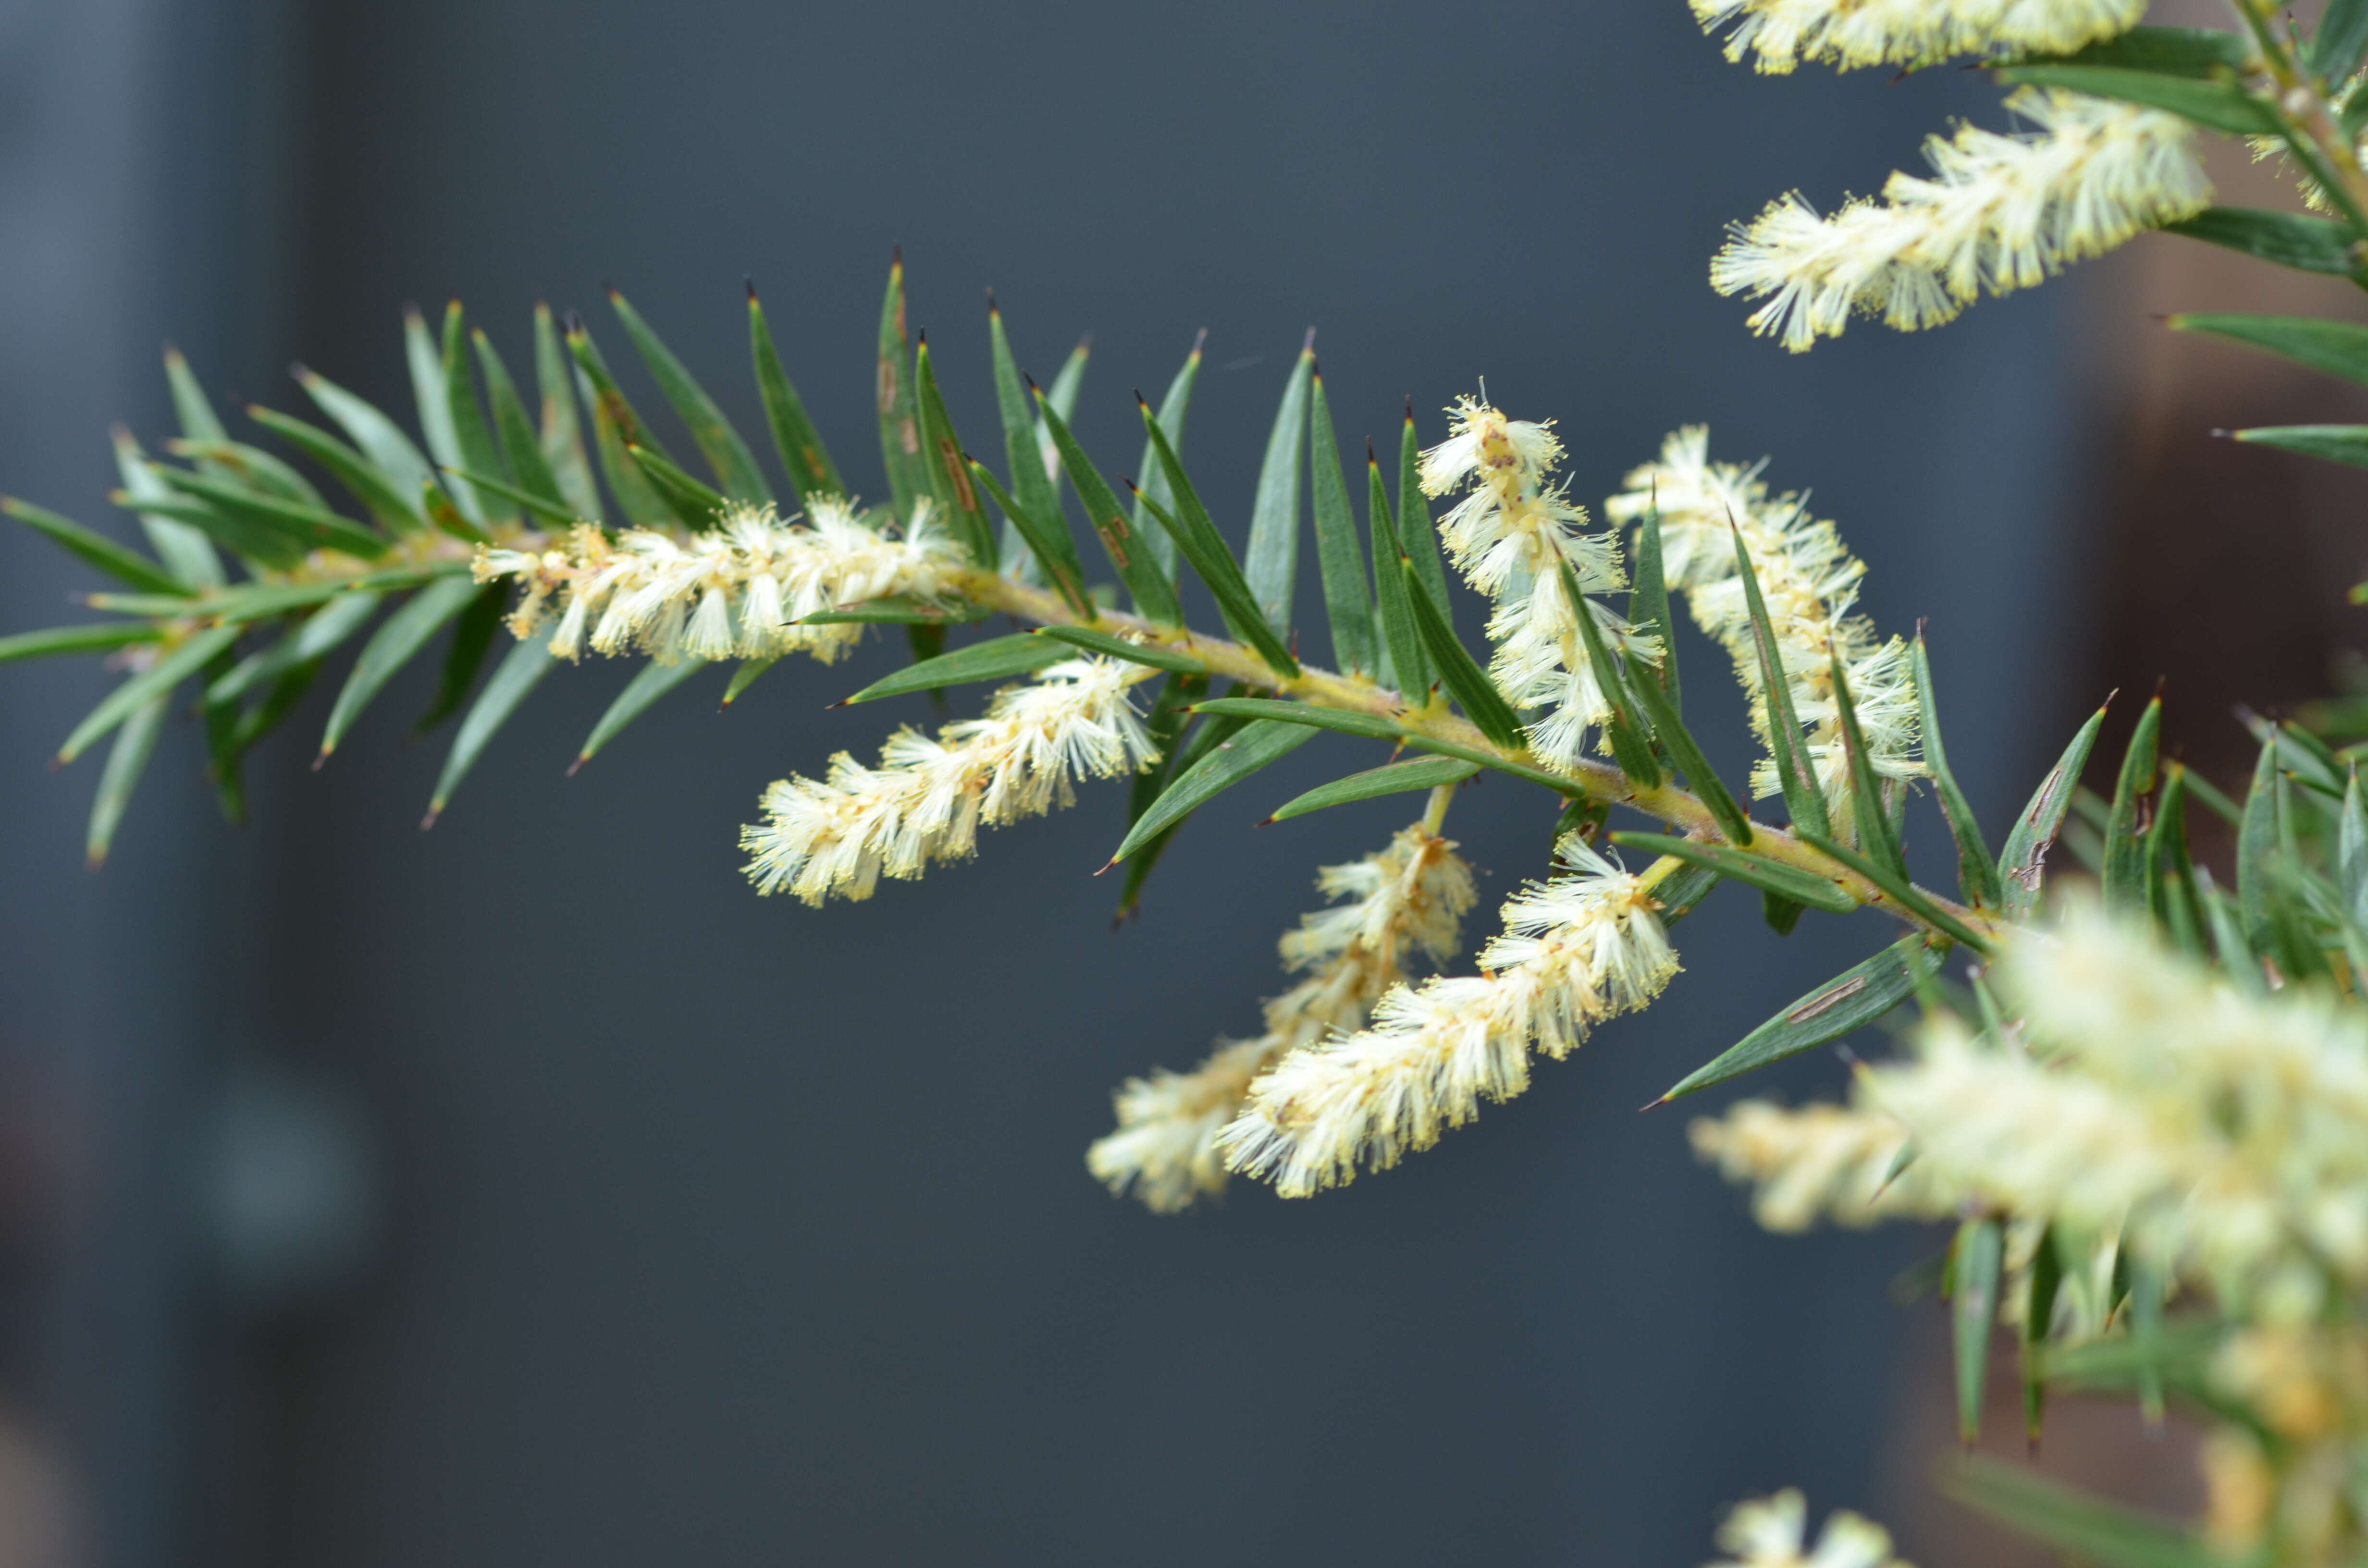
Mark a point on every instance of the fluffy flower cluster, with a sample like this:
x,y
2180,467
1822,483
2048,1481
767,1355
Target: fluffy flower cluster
x,y
2222,1136
1575,949
1808,580
1999,212
1409,899
1510,538
926,799
1770,1532
1781,34
743,589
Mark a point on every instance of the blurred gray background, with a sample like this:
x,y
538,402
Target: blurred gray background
x,y
527,1191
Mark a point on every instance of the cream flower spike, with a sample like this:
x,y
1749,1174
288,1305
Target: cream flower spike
x,y
1999,212
1770,1533
1407,901
1781,34
1510,538
927,798
738,590
1576,949
1808,580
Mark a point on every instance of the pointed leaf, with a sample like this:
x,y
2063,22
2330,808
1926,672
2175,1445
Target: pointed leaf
x,y
2289,239
614,425
650,683
547,507
1169,715
1851,1000
472,639
1154,596
1258,745
1047,536
1173,406
2351,854
2221,104
1972,1311
185,550
745,677
900,420
995,659
521,444
1900,891
1341,562
198,420
1459,672
1023,445
1401,638
1629,747
1803,798
734,464
2341,39
367,482
2022,863
1743,866
1102,643
957,498
171,666
2092,1529
2124,847
799,444
1280,711
323,632
1977,876
306,528
256,470
1648,609
126,759
1270,564
123,564
97,637
2338,348
520,671
1418,536
379,439
432,394
1197,538
560,432
1686,752
2336,443
1395,778
1868,818
694,503
390,647
2256,846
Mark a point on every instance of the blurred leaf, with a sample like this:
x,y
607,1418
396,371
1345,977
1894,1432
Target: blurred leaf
x,y
191,407
473,638
2339,349
521,444
256,470
900,422
2257,844
560,432
800,445
1977,876
734,464
126,759
2222,106
1270,564
2170,891
1232,761
390,647
2288,239
1851,1000
97,637
285,529
1046,536
2199,53
2096,1530
1409,666
1394,778
1973,1314
1461,673
2020,862
2124,847
368,483
1173,406
992,660
1743,866
2336,443
432,394
2352,853
173,666
1201,544
1340,561
185,550
123,564
380,439
520,671
949,471
2041,1283
1153,655
650,682
1803,798
548,508
319,634
2342,36
1154,595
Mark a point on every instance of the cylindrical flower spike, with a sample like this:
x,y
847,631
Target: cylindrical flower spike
x,y
1578,949
738,590
1998,213
1405,902
927,798
1781,34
